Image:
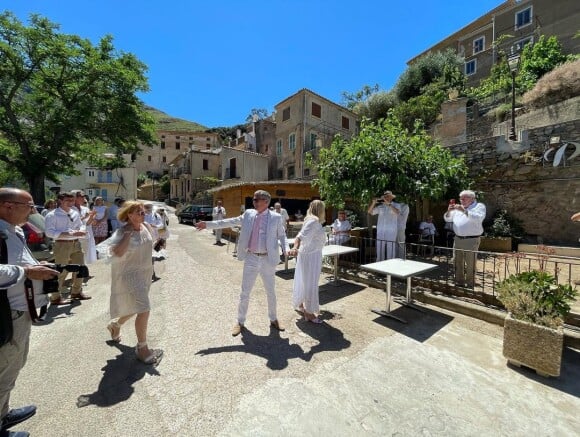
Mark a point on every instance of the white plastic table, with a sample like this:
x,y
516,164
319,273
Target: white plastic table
x,y
335,251
399,268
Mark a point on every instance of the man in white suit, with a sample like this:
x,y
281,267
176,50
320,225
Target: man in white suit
x,y
261,235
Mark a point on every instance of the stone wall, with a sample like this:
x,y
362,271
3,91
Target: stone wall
x,y
516,177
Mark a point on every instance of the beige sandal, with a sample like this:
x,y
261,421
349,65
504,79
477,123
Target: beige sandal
x,y
152,358
115,330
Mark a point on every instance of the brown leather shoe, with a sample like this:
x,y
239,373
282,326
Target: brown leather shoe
x,y
237,329
80,296
276,325
61,301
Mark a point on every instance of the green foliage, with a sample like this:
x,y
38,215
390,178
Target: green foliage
x,y
258,114
165,184
141,179
425,108
64,100
385,155
504,225
164,121
353,100
445,67
536,60
535,297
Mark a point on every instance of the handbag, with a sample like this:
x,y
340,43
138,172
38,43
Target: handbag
x,y
6,328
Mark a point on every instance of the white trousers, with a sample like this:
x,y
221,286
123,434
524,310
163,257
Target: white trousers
x,y
386,242
254,265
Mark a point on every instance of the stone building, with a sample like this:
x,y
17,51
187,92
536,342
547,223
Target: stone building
x,y
305,123
516,22
171,144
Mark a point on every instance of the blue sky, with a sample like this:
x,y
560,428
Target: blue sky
x,y
213,61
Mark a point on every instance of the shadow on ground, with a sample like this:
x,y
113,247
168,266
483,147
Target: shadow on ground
x,y
420,325
120,373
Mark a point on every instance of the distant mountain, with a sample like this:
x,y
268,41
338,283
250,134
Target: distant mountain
x,y
167,122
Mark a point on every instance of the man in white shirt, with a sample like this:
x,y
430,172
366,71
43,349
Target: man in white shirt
x,y
65,227
387,224
218,213
427,227
278,208
19,273
467,218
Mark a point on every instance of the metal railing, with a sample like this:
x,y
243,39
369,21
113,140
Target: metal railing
x,y
490,267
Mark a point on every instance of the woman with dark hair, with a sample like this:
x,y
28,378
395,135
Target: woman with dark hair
x,y
308,246
130,249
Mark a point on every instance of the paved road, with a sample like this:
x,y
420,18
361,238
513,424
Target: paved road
x,y
357,374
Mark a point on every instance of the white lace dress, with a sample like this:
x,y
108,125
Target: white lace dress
x,y
131,274
308,266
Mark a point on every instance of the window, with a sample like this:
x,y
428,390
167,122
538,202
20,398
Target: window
x,y
177,146
345,123
208,146
519,46
162,136
207,139
266,148
316,110
523,18
312,141
470,67
279,174
149,158
162,144
286,114
177,137
279,147
479,45
164,159
290,172
292,141
205,164
91,173
190,138
306,172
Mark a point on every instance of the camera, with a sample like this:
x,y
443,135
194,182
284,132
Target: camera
x,y
51,285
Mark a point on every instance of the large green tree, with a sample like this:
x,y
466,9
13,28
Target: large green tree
x,y
387,156
64,100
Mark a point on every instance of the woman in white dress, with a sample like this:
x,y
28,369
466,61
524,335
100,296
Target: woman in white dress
x,y
308,246
131,247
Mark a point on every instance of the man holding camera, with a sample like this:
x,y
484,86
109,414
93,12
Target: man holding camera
x,y
15,207
387,224
65,226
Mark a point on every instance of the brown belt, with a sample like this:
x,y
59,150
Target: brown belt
x,y
259,254
66,241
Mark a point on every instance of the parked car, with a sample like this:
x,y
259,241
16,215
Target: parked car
x,y
194,213
38,243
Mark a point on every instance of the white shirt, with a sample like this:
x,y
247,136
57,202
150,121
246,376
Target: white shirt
x,y
58,221
468,223
12,275
427,229
218,213
402,217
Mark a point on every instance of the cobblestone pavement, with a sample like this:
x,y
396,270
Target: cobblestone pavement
x,y
442,374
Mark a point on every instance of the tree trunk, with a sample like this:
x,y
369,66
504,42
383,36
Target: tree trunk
x,y
36,184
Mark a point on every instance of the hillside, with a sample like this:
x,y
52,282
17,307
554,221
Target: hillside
x,y
167,122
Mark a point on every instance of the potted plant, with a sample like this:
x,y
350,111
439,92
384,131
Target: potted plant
x,y
500,232
533,328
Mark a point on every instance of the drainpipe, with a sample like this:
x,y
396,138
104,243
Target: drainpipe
x,y
303,137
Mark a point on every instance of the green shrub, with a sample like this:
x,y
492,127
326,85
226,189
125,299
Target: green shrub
x,y
535,297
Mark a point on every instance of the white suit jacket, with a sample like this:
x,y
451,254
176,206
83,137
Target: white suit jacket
x,y
275,235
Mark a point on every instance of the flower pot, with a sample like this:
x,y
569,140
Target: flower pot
x,y
496,244
534,346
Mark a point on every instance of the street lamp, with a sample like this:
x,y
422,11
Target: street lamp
x,y
514,63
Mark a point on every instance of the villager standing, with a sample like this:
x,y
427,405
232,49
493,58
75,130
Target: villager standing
x,y
308,246
467,218
218,213
18,270
387,224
